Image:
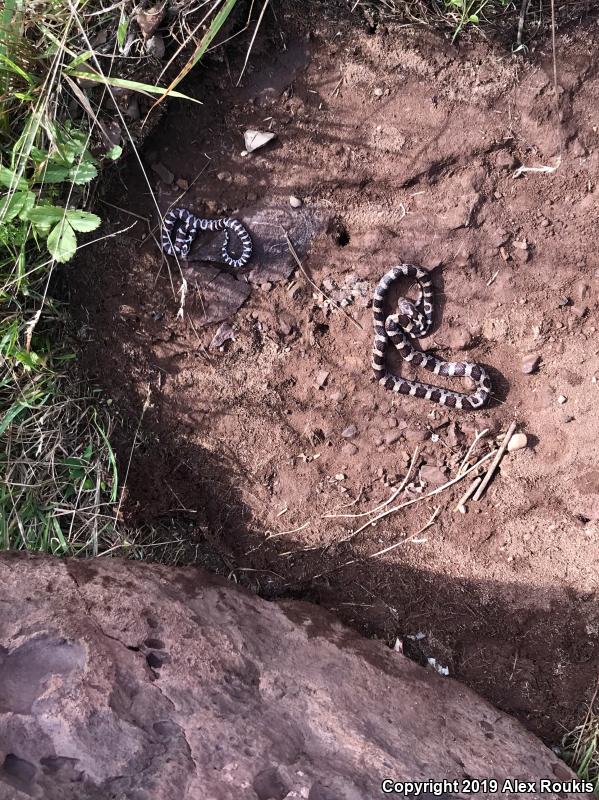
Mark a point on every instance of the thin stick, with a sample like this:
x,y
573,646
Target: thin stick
x,y
249,49
296,258
419,499
409,539
284,533
495,463
397,491
461,507
492,278
477,438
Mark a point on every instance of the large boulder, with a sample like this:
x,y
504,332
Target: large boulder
x,y
125,680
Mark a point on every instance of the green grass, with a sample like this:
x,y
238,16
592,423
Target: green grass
x,y
59,482
581,747
515,22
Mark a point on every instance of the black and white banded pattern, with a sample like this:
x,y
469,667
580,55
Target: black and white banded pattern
x,y
414,320
180,228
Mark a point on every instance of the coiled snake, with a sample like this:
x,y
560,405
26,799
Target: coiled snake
x,y
185,226
415,320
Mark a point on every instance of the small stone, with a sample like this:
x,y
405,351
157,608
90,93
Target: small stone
x,y
223,334
563,302
321,378
517,442
266,286
155,46
393,436
349,432
225,176
562,399
505,161
286,323
378,92
579,311
183,184
349,449
522,255
255,139
211,207
337,396
545,223
163,172
432,475
530,363
521,244
295,202
340,476
568,418
414,436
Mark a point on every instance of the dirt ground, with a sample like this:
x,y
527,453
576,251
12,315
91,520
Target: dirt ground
x,y
408,149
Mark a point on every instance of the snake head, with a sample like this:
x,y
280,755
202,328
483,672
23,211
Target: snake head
x,y
406,308
184,250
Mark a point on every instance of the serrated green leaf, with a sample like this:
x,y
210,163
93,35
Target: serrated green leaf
x,y
82,173
83,221
114,152
62,242
9,179
53,173
12,205
44,217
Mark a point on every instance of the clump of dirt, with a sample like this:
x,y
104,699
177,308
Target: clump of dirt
x,y
402,150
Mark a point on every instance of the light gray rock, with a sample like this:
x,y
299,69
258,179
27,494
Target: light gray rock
x,y
143,682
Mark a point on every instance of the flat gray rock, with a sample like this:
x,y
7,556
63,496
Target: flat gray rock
x,y
271,259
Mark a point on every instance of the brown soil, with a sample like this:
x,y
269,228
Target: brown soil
x,y
240,444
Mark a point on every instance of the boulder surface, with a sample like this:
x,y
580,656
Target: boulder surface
x,y
128,681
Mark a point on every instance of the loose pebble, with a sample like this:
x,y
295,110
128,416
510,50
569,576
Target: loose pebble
x,y
562,399
295,202
520,245
392,436
530,363
568,418
340,476
183,184
517,442
434,476
415,436
253,140
266,286
349,449
225,176
349,432
378,92
321,378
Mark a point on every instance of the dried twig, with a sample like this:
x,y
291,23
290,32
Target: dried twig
x,y
419,499
409,538
461,507
284,533
396,492
477,438
495,463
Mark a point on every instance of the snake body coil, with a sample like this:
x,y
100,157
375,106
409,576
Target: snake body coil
x,y
180,228
415,320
